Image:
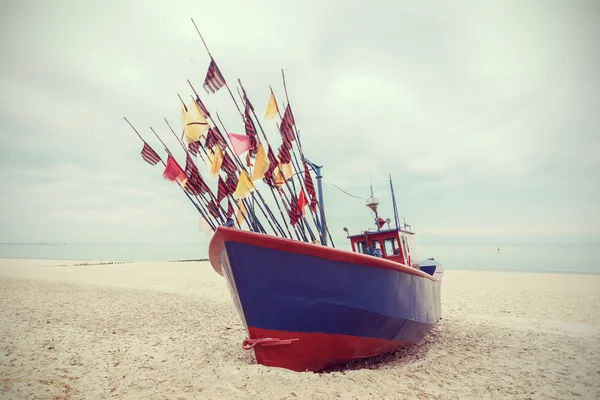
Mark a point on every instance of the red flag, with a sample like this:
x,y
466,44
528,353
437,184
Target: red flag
x,y
302,202
380,222
240,143
173,172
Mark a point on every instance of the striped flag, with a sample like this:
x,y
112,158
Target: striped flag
x,y
286,128
295,212
202,107
231,183
211,140
219,136
194,147
222,190
149,155
284,154
195,184
228,165
229,209
214,79
273,163
213,209
310,188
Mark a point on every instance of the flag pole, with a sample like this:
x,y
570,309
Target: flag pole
x,y
197,197
268,144
184,191
210,193
241,165
324,226
212,59
187,155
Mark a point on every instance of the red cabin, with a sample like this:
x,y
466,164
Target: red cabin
x,y
393,244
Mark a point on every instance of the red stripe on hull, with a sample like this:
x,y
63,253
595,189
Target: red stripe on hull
x,y
315,351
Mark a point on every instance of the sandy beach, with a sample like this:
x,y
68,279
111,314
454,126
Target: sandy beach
x,y
170,331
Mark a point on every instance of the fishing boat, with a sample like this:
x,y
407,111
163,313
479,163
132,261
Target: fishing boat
x,y
306,305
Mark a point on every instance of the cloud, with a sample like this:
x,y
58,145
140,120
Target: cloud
x,y
483,114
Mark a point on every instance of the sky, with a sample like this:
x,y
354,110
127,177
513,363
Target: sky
x,y
485,113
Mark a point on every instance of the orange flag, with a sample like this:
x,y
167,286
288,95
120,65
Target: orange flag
x,y
244,186
241,214
261,164
272,109
216,159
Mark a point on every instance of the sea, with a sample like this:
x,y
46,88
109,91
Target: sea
x,y
532,255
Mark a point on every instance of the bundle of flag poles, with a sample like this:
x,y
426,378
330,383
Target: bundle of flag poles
x,y
244,166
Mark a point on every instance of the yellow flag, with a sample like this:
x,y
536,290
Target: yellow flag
x,y
194,123
272,109
279,180
287,170
216,159
261,164
241,213
244,186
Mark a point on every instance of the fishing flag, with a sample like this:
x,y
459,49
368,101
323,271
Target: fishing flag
x,y
241,214
286,170
295,212
194,123
229,209
195,184
205,226
149,155
173,172
213,209
310,188
228,165
261,165
244,186
272,109
250,130
211,140
240,143
302,202
214,79
219,136
194,147
286,128
273,163
222,190
231,183
216,159
202,107
284,154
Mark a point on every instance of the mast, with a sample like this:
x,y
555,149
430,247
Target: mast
x,y
322,225
394,204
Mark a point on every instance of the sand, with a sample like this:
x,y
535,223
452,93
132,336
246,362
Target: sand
x,y
170,331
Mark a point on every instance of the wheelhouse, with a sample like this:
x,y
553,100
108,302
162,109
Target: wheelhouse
x,y
393,244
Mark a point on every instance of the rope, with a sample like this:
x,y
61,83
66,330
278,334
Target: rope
x,y
351,195
248,344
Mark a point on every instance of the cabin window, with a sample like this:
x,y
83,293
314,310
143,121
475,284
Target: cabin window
x,y
361,247
391,247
